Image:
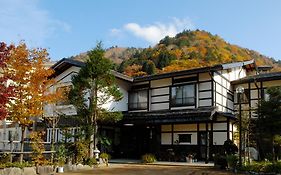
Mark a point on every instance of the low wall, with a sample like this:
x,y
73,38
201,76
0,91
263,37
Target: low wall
x,y
44,170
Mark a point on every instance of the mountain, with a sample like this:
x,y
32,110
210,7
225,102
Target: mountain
x,y
116,54
187,50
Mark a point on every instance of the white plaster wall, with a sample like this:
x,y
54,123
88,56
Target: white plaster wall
x,y
166,138
159,99
160,91
220,126
166,128
161,82
67,74
183,107
159,106
121,105
254,94
202,127
219,138
207,94
204,76
205,102
64,79
272,83
205,86
185,127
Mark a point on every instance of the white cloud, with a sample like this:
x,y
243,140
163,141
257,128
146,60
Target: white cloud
x,y
155,32
115,32
25,20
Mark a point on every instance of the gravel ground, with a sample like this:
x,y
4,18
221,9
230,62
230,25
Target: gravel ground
x,y
150,170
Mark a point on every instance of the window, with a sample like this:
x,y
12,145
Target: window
x,y
183,95
138,100
184,138
229,96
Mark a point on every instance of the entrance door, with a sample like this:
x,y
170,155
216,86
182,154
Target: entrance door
x,y
203,144
138,140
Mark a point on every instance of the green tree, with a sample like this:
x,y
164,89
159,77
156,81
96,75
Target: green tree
x,y
269,118
149,67
95,81
164,59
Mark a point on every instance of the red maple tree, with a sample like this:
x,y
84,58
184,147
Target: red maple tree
x,y
6,90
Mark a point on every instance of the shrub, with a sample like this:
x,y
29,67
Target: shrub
x,y
38,148
105,157
231,161
5,158
16,165
77,150
148,158
263,167
61,155
220,160
90,161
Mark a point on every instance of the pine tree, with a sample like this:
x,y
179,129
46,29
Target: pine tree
x,y
95,80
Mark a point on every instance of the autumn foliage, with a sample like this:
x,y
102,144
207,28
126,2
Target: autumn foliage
x,y
5,91
29,85
188,50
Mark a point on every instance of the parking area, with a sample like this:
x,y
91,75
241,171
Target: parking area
x,y
131,169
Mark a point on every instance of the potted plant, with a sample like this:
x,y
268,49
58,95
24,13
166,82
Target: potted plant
x,y
148,158
105,157
61,157
190,157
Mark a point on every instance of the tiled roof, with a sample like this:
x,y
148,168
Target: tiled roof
x,y
259,77
65,63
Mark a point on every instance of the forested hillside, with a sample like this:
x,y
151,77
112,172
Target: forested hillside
x,y
187,50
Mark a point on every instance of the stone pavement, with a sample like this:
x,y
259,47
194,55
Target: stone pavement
x,y
132,169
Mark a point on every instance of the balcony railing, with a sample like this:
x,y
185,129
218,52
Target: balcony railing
x,y
137,106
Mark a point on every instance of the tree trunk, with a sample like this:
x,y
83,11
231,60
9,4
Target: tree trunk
x,y
93,143
52,144
22,143
93,105
273,150
92,146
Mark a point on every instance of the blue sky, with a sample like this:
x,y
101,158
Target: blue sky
x,y
69,27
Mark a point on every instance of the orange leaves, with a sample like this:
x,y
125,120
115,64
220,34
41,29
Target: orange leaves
x,y
182,65
191,49
31,79
134,71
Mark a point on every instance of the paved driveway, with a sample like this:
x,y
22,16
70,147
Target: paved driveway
x,y
150,170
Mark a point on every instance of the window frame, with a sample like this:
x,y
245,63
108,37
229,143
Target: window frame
x,y
189,139
172,101
138,106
